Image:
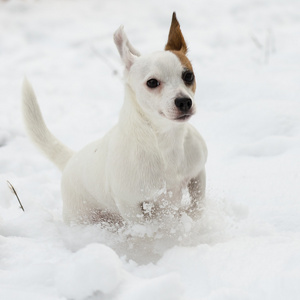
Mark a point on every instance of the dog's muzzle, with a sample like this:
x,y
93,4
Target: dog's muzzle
x,y
184,106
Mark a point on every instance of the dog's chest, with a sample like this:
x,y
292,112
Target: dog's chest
x,y
181,158
173,166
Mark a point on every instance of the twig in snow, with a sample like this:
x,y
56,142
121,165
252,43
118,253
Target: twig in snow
x,y
256,42
16,194
267,48
269,45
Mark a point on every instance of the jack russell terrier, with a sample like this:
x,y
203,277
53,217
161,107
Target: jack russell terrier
x,y
152,163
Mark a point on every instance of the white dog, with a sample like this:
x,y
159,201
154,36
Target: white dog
x,y
152,163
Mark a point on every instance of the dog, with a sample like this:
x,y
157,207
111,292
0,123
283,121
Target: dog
x,y
152,163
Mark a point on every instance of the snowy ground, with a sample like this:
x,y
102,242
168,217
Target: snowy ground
x,y
246,55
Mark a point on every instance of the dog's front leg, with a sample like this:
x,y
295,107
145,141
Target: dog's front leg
x,y
196,189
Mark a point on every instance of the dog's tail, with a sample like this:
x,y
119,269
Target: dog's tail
x,y
36,128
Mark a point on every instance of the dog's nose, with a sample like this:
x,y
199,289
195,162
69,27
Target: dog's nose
x,y
183,104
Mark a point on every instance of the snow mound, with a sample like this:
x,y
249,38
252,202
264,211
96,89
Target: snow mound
x,y
96,265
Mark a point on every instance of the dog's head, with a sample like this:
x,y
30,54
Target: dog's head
x,y
163,82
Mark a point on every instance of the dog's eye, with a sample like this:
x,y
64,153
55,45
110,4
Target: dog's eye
x,y
188,77
153,83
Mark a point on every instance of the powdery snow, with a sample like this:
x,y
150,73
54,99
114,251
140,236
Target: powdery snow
x,y
246,57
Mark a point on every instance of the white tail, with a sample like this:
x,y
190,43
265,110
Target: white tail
x,y
57,152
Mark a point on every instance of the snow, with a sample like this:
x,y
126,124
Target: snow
x,y
247,243
88,265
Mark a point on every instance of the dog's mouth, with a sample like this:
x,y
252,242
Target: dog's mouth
x,y
183,117
180,118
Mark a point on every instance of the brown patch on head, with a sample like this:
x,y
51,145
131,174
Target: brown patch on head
x,y
185,62
177,45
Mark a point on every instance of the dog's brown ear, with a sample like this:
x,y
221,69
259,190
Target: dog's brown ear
x,y
176,41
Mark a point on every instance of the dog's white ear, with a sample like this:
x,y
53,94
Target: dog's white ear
x,y
127,52
176,40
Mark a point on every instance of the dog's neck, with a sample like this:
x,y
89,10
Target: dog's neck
x,y
160,133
